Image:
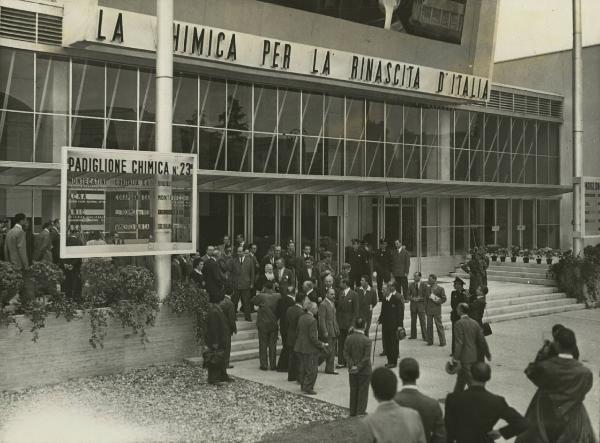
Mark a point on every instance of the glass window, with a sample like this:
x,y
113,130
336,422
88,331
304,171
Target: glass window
x,y
355,118
312,160
412,125
461,164
394,123
412,161
553,139
211,149
239,150
52,84
288,158
334,156
490,128
185,99
491,166
476,124
212,103
51,134
355,157
263,222
239,214
375,121
374,159
265,109
265,153
239,106
121,135
528,208
409,225
518,164
542,170
461,130
16,79
530,137
329,219
184,139
504,131
431,164
147,94
504,167
312,114
121,97
476,166
554,170
213,217
87,132
87,89
542,138
289,111
334,116
430,134
529,169
286,218
308,221
394,160
147,140
16,136
517,135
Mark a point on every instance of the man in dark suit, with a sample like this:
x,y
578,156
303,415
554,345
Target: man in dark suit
x,y
382,263
400,267
329,330
390,322
292,316
436,297
55,240
469,347
347,313
367,300
243,279
417,295
266,324
308,347
311,293
215,339
358,259
428,408
472,414
43,245
357,352
15,244
283,276
228,309
309,273
271,257
213,276
458,296
286,302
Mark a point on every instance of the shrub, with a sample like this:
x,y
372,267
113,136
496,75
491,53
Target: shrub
x,y
188,298
12,281
579,277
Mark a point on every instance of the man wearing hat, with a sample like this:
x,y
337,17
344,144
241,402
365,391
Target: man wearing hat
x,y
458,296
382,264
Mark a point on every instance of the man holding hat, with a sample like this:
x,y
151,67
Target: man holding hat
x,y
458,296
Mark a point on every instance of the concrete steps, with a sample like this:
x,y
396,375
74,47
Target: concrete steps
x,y
526,273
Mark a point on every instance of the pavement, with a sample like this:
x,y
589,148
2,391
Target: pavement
x,y
513,345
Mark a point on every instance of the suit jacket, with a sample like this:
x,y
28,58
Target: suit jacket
x,y
314,277
285,303
367,300
228,309
43,246
15,248
268,303
307,340
477,310
382,263
430,411
328,325
400,262
55,240
314,296
216,328
470,344
213,277
285,280
434,307
292,316
391,312
243,273
359,262
199,279
267,259
418,294
391,423
347,309
471,414
357,352
456,298
261,280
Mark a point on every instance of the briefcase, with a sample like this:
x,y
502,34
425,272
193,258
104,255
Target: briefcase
x,y
487,329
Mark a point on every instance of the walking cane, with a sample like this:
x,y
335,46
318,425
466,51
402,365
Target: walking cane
x,y
375,343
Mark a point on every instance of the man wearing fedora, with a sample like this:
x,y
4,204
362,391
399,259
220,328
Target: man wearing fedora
x,y
458,296
470,346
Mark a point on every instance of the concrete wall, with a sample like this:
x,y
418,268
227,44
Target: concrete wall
x,y
63,350
552,73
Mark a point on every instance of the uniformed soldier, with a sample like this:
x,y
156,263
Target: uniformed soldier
x,y
382,263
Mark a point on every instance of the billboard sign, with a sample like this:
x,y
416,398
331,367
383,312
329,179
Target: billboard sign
x,y
590,186
126,203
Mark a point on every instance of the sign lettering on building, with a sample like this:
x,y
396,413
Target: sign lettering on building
x,y
591,209
116,203
130,30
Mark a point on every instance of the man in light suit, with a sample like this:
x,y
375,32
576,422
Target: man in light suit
x,y
308,347
400,267
292,316
390,423
357,351
428,408
436,297
283,276
469,346
347,313
15,244
417,295
43,245
367,300
329,330
243,278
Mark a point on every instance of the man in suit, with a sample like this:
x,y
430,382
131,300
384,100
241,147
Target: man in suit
x,y
286,302
43,245
436,297
390,423
292,316
243,279
458,296
210,250
213,276
215,338
267,276
358,259
309,273
311,294
15,244
55,240
472,414
228,309
347,313
357,352
329,330
382,263
428,408
325,266
390,322
271,257
283,276
328,283
367,300
266,323
417,295
400,266
226,243
469,347
308,347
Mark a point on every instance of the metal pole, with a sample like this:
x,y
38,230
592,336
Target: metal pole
x,y
164,119
578,203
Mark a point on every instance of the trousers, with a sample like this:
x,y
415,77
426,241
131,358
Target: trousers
x,y
391,344
216,374
331,352
293,365
307,374
340,346
243,295
359,393
463,378
267,348
417,310
437,319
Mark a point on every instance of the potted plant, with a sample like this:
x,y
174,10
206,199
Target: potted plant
x,y
514,253
492,250
502,252
549,253
525,253
538,255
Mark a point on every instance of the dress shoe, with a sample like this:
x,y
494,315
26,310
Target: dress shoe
x,y
340,366
332,372
264,369
230,367
390,365
429,344
443,345
382,354
310,392
412,338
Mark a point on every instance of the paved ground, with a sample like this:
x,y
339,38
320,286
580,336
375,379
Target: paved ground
x,y
513,345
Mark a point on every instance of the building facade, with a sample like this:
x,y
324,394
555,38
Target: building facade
x,y
315,158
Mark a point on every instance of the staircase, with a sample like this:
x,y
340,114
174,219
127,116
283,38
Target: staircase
x,y
507,300
518,272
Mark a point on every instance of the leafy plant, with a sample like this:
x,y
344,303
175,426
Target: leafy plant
x,y
12,281
579,277
515,251
492,249
503,252
188,298
525,253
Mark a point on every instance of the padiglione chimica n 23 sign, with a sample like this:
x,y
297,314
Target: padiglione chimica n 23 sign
x,y
118,203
